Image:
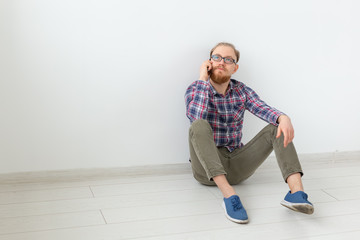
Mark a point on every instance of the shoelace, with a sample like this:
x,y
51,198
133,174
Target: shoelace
x,y
236,204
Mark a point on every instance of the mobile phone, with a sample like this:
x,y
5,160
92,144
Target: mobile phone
x,y
209,70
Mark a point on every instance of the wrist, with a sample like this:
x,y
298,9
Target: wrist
x,y
281,117
203,78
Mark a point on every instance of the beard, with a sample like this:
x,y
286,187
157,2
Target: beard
x,y
221,77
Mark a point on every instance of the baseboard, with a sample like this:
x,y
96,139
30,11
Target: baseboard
x,y
98,173
165,169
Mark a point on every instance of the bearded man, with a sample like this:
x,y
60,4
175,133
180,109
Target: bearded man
x,y
215,105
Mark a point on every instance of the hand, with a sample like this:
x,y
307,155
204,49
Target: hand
x,y
204,70
286,128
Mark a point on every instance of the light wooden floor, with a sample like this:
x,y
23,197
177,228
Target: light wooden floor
x,y
174,206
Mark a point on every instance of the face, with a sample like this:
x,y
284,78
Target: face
x,y
221,72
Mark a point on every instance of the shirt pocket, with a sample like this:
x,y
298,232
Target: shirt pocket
x,y
238,109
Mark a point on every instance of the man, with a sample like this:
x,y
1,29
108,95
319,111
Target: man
x,y
215,105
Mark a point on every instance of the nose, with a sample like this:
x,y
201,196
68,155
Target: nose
x,y
222,63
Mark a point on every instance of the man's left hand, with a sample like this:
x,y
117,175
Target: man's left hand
x,y
286,128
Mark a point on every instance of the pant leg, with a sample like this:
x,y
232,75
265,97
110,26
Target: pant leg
x,y
207,161
244,161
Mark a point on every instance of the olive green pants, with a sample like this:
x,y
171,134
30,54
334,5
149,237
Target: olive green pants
x,y
208,161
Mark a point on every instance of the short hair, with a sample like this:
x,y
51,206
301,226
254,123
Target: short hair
x,y
237,53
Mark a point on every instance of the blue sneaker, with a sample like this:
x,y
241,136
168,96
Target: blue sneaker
x,y
234,210
298,202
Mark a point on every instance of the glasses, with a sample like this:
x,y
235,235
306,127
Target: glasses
x,y
218,58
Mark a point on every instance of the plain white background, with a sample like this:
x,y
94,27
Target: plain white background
x,y
98,84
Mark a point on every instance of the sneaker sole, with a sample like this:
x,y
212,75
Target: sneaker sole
x,y
233,219
299,207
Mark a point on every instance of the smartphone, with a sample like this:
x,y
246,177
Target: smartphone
x,y
209,71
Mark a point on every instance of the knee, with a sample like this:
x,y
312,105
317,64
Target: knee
x,y
273,129
200,127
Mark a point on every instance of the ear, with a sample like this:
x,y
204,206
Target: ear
x,y
236,68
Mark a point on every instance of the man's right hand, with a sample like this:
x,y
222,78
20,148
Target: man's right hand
x,y
204,70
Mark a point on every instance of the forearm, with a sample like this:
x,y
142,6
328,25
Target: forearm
x,y
196,100
267,113
260,109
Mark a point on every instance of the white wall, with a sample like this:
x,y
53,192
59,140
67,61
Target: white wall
x,y
88,84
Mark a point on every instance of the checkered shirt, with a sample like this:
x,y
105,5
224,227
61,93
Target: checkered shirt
x,y
226,113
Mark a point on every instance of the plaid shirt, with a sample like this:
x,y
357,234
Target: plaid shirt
x,y
226,113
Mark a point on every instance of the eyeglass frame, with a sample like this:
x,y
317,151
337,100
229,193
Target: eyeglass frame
x,y
223,58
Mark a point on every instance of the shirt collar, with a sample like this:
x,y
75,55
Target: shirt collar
x,y
230,88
